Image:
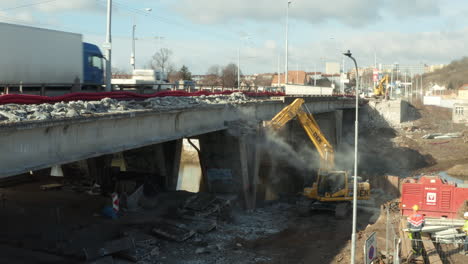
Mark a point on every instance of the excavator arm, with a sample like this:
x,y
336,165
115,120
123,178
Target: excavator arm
x,y
284,116
311,128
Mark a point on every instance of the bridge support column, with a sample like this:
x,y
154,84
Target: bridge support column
x,y
231,165
99,169
161,160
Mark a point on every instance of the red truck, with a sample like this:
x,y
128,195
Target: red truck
x,y
435,196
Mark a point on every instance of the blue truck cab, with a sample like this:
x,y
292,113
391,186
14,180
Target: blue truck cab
x,y
93,66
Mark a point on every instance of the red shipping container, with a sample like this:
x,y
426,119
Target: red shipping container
x,y
435,196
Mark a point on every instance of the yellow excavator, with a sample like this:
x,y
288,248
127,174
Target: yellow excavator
x,y
332,190
381,88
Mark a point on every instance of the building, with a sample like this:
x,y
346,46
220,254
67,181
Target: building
x,y
432,68
311,76
332,68
294,77
460,113
463,92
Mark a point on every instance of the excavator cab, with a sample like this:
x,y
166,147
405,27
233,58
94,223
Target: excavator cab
x,y
331,183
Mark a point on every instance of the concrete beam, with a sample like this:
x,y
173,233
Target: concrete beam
x,y
36,145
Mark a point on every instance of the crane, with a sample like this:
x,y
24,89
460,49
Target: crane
x,y
331,187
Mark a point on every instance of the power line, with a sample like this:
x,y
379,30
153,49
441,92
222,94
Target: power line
x,y
28,5
165,20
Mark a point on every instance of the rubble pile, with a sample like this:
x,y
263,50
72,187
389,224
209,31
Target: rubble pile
x,y
73,109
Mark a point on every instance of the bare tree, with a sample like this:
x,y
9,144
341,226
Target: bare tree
x,y
162,60
229,76
119,73
212,77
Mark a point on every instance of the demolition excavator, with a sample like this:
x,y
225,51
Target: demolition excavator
x,y
332,189
381,89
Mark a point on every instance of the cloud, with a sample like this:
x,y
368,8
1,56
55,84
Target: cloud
x,y
20,18
414,8
391,47
349,12
47,6
59,6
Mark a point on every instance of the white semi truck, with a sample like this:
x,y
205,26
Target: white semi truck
x,y
36,57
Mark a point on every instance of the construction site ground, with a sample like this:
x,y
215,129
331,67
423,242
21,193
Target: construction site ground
x,y
55,226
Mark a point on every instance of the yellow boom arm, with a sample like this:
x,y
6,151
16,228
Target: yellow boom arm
x,y
311,128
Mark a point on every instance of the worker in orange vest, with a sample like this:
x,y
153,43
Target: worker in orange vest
x,y
415,225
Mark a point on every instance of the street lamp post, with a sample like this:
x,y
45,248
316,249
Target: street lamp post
x,y
238,60
287,49
108,47
238,67
353,234
132,58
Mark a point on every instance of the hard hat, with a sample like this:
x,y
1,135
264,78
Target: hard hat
x,y
415,207
465,214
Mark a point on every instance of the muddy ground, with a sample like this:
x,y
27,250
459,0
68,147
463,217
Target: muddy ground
x,y
33,231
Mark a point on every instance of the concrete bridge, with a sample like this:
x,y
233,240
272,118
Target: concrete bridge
x,y
34,145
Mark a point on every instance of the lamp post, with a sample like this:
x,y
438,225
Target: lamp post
x,y
287,50
353,234
132,58
238,60
108,47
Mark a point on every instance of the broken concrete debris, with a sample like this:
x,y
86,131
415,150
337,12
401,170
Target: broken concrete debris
x,y
52,186
74,109
176,233
442,136
109,248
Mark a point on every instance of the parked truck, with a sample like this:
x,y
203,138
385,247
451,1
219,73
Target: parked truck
x,y
141,79
36,57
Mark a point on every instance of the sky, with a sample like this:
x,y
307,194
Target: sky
x,y
202,33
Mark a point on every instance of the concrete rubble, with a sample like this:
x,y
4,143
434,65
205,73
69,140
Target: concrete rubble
x,y
74,109
442,136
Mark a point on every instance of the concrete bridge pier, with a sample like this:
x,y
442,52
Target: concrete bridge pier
x,y
230,165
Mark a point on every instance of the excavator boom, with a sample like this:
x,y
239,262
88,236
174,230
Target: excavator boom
x,y
310,126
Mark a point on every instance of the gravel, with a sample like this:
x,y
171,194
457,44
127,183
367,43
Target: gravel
x,y
11,113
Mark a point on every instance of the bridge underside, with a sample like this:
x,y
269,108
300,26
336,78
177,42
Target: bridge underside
x,y
37,145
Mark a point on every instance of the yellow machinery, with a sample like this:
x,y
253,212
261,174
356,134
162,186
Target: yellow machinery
x,y
330,186
381,88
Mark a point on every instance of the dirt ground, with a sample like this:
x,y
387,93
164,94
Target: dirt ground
x,y
54,226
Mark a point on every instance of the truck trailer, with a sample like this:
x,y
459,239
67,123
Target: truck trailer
x,y
36,57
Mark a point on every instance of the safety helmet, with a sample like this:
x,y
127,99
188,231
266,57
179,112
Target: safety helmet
x,y
465,215
415,207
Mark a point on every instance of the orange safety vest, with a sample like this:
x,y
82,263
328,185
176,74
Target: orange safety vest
x,y
416,220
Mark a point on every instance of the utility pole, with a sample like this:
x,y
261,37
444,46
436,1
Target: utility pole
x,y
108,46
287,50
132,59
279,75
421,86
238,67
315,74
